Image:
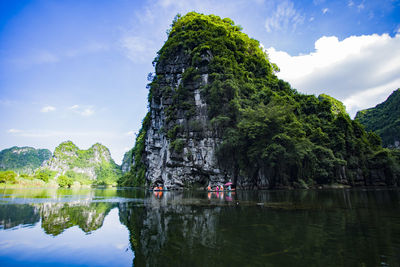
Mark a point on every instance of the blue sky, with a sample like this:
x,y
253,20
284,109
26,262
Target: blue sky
x,y
76,70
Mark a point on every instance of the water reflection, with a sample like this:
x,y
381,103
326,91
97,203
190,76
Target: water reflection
x,y
56,217
14,215
62,228
278,228
250,228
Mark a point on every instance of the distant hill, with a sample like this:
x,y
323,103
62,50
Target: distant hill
x,y
384,119
91,166
23,159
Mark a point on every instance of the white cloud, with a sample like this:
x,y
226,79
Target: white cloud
x,y
47,109
35,58
7,102
74,107
93,47
44,57
325,10
361,71
130,133
285,16
138,49
14,131
360,6
87,112
82,110
318,2
65,135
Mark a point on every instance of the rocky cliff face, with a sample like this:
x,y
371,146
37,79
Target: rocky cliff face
x,y
180,148
217,112
127,162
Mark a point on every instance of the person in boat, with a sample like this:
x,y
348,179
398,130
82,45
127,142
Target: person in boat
x,y
229,187
217,188
208,188
221,188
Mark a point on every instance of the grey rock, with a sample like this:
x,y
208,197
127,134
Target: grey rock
x,y
197,163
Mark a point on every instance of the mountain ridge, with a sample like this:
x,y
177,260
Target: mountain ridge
x,y
23,159
384,119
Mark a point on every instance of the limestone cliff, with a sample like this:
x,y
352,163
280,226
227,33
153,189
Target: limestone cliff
x,y
218,113
180,147
93,164
127,161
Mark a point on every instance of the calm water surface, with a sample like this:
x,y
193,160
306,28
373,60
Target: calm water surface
x,y
125,227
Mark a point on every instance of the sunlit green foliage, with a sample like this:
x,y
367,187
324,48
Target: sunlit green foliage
x,y
336,106
107,174
45,175
82,178
64,181
7,177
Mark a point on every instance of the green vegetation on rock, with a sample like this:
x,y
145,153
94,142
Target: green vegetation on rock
x,y
93,166
384,119
137,174
23,159
267,128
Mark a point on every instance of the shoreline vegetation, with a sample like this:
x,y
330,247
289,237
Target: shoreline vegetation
x,y
11,179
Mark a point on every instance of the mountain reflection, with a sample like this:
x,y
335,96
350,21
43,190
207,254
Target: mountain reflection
x,y
303,228
175,227
13,215
56,217
250,228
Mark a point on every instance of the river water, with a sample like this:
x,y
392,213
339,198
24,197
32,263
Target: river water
x,y
134,227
